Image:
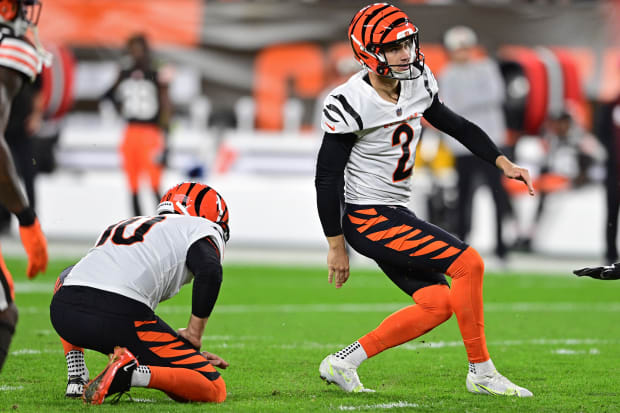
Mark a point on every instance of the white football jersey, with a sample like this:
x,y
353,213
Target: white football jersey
x,y
143,258
18,54
381,163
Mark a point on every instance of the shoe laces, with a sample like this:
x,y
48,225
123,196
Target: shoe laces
x,y
117,397
497,378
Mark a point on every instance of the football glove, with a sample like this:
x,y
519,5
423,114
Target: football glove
x,y
608,272
34,242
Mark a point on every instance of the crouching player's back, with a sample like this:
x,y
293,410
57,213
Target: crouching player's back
x,y
106,302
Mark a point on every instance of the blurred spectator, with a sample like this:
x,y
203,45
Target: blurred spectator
x,y
24,122
472,86
570,152
610,135
140,94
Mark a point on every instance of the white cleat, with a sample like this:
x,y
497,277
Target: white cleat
x,y
494,384
75,386
343,373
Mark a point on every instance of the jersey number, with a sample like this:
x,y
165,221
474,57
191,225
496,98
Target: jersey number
x,y
119,229
139,99
400,172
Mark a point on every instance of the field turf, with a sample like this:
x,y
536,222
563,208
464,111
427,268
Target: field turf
x,y
555,334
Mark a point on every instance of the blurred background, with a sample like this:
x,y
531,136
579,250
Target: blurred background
x,y
245,82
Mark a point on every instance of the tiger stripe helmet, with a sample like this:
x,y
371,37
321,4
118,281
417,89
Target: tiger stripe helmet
x,y
379,25
197,200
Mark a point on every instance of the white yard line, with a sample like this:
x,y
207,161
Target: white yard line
x,y
11,388
509,343
393,405
519,307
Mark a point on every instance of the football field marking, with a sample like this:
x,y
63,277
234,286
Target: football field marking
x,y
393,405
519,307
10,388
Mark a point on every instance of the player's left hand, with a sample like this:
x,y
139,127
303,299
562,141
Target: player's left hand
x,y
216,360
608,272
35,245
514,171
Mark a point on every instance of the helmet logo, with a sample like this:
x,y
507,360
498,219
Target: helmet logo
x,y
404,33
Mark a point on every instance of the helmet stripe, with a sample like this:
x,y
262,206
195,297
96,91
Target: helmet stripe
x,y
220,213
199,197
191,186
392,26
381,24
356,18
367,21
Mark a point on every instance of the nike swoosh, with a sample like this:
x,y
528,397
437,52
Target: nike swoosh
x,y
333,128
128,366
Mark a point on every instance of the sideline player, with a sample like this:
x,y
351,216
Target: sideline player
x,y
107,300
372,126
607,272
140,94
19,62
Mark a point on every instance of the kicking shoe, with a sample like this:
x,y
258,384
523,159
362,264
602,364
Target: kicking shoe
x,y
494,384
75,386
343,373
115,378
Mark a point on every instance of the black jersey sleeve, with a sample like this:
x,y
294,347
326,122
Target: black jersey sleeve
x,y
203,260
466,132
329,179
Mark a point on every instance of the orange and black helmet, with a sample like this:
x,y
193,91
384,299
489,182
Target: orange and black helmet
x,y
377,26
197,200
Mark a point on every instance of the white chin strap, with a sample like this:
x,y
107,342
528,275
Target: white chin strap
x,y
168,207
182,208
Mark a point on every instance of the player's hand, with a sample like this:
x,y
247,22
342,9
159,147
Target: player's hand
x,y
161,158
194,340
338,265
35,245
216,360
514,171
608,272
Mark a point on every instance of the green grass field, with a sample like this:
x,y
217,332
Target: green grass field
x,y
557,334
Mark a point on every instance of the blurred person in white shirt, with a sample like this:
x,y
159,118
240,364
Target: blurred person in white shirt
x,y
473,86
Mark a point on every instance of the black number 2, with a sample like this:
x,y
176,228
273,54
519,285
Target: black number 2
x,y
400,172
119,230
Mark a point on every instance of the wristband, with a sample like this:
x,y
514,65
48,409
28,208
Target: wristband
x,y
26,217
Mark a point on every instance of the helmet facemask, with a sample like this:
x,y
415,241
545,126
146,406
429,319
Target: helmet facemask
x,y
411,70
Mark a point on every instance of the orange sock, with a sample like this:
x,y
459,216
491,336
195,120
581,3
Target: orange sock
x,y
187,385
432,308
466,299
69,347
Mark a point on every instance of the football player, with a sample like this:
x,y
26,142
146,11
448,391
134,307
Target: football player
x,y
607,272
140,94
372,126
106,302
20,62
